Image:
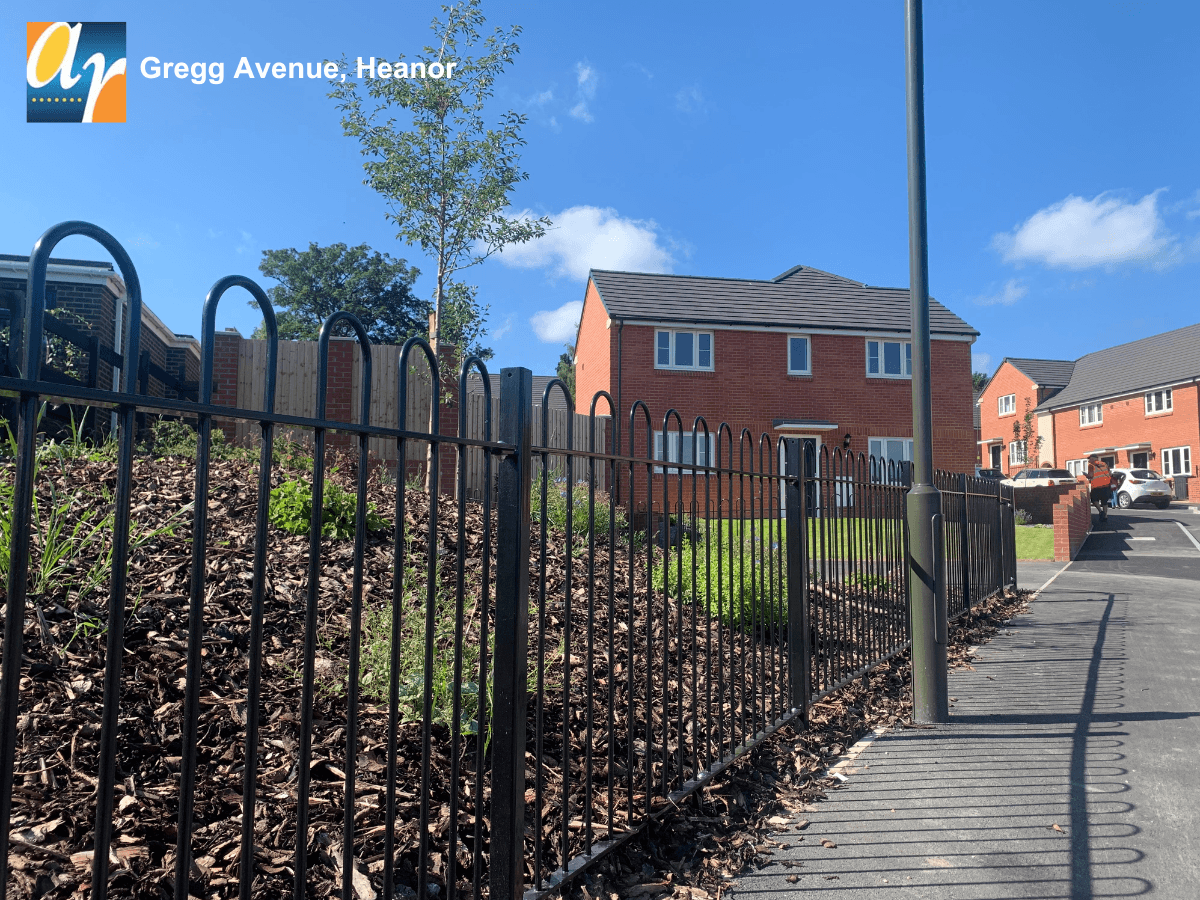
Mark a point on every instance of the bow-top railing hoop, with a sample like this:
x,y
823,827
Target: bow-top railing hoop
x,y
191,704
310,626
469,364
30,360
431,583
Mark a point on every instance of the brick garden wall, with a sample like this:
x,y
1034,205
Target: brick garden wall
x,y
1072,522
1039,502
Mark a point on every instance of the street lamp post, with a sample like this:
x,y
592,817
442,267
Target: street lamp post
x,y
927,569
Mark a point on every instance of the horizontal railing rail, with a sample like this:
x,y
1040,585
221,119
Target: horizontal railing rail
x,y
600,634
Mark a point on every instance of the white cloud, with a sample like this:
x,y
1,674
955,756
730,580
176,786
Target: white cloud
x,y
690,100
588,237
247,244
504,329
1079,234
557,326
981,362
585,81
145,240
1012,291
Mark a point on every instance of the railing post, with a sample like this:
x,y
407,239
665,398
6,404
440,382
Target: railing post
x,y
510,690
799,660
965,541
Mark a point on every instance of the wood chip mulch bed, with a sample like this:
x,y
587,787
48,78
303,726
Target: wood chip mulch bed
x,y
714,836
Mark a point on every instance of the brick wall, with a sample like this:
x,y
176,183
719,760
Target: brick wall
x,y
595,351
1072,522
1039,502
750,386
227,351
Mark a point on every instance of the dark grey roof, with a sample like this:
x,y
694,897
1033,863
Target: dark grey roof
x,y
1049,373
89,263
557,401
802,297
1160,359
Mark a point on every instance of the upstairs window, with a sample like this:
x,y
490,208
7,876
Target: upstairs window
x,y
889,359
1158,401
1091,414
1008,404
683,350
799,359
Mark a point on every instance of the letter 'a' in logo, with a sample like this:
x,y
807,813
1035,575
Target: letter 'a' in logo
x,y
75,71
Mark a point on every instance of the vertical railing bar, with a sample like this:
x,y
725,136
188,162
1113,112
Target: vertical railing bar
x,y
510,705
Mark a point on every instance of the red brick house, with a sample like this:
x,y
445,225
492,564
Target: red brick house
x,y
807,354
1016,388
1136,405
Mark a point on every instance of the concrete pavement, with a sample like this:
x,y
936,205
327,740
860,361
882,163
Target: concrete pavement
x,y
1070,768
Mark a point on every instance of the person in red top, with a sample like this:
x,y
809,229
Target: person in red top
x,y
1100,480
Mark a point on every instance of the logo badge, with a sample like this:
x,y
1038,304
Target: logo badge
x,y
75,71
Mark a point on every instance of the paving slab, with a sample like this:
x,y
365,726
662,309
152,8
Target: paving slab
x,y
1069,769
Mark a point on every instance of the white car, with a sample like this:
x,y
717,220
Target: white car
x,y
1142,484
1040,478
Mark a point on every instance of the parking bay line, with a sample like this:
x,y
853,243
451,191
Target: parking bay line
x,y
1191,537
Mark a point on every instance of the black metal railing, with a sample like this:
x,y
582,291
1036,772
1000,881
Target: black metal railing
x,y
563,664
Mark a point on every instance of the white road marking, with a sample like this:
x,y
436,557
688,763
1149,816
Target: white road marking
x,y
1048,583
1191,537
1143,539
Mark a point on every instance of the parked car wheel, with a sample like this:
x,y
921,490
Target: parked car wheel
x,y
1124,500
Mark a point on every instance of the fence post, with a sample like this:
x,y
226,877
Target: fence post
x,y
799,662
510,673
965,541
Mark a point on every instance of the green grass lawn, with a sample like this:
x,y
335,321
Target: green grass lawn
x,y
1034,542
835,533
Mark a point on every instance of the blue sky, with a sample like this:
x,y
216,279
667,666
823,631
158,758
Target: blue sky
x,y
685,137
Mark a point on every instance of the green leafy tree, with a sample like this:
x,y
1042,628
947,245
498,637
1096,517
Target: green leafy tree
x,y
566,368
464,322
1025,430
446,176
319,281
979,380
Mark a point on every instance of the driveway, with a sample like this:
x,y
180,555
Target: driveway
x,y
1069,767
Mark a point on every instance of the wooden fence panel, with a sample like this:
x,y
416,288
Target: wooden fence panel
x,y
296,394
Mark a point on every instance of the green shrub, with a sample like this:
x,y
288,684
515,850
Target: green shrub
x,y
740,582
291,510
556,509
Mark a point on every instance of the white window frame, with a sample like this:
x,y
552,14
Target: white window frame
x,y
807,354
1016,458
1086,419
877,448
1154,398
695,349
905,356
882,443
1168,468
1076,467
1009,408
673,450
